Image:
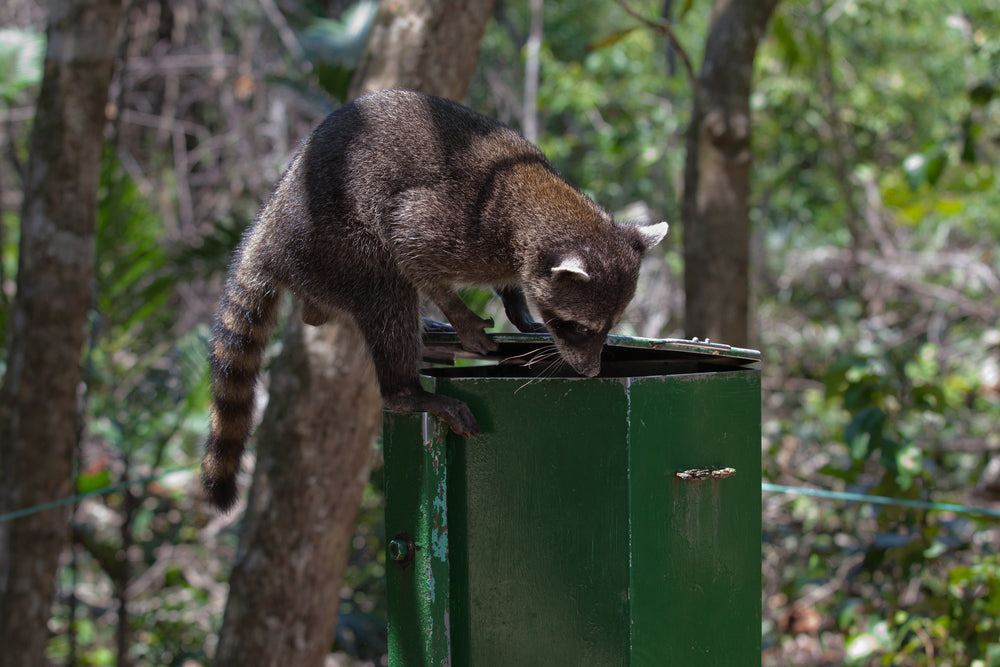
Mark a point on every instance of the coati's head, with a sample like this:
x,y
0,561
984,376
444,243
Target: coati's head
x,y
581,288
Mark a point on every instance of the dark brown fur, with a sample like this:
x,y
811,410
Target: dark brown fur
x,y
397,194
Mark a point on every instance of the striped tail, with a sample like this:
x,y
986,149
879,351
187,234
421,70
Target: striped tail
x,y
246,318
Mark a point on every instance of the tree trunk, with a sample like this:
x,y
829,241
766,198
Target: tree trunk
x,y
314,442
39,420
715,209
314,454
427,45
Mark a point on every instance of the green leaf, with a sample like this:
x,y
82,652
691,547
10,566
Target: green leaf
x,y
835,379
948,206
864,433
929,397
860,394
837,472
787,42
335,47
861,647
937,548
971,131
982,93
909,464
87,482
936,162
925,168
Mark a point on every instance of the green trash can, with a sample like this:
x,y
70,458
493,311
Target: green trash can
x,y
596,521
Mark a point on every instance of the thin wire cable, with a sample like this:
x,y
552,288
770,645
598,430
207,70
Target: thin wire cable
x,y
765,487
878,500
28,511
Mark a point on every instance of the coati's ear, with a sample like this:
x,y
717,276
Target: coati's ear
x,y
650,235
570,266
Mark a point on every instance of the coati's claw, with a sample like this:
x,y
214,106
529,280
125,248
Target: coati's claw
x,y
474,338
478,343
433,326
461,421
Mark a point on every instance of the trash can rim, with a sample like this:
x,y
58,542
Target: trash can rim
x,y
440,347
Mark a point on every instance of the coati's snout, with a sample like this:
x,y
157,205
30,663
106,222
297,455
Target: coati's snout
x,y
579,345
585,362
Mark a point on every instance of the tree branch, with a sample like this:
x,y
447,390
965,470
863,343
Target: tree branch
x,y
665,28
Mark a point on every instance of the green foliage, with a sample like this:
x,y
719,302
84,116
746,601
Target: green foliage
x,y
334,47
146,401
612,112
135,363
886,402
959,623
875,205
911,83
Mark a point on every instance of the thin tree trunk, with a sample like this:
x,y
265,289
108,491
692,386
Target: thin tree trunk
x,y
715,208
532,72
314,444
39,420
123,639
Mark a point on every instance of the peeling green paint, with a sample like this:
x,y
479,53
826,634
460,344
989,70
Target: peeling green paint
x,y
421,591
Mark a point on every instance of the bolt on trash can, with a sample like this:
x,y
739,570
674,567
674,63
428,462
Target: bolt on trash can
x,y
612,520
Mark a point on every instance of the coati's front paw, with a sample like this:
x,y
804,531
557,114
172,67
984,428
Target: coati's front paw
x,y
474,338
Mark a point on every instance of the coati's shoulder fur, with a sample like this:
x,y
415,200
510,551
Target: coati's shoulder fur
x,y
397,194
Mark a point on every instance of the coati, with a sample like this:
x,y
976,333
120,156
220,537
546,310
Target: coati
x,y
400,193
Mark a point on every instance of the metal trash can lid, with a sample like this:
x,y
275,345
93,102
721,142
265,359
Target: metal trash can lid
x,y
622,355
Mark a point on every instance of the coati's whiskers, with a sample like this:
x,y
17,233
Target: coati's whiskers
x,y
542,355
531,381
510,359
555,366
549,360
532,357
535,357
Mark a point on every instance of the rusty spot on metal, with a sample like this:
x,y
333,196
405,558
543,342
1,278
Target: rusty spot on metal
x,y
698,474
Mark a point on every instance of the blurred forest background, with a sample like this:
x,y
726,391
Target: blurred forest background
x,y
874,283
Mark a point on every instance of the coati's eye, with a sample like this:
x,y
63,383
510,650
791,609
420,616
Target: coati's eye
x,y
570,330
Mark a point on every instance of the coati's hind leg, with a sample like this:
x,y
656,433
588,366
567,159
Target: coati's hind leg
x,y
516,307
392,332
